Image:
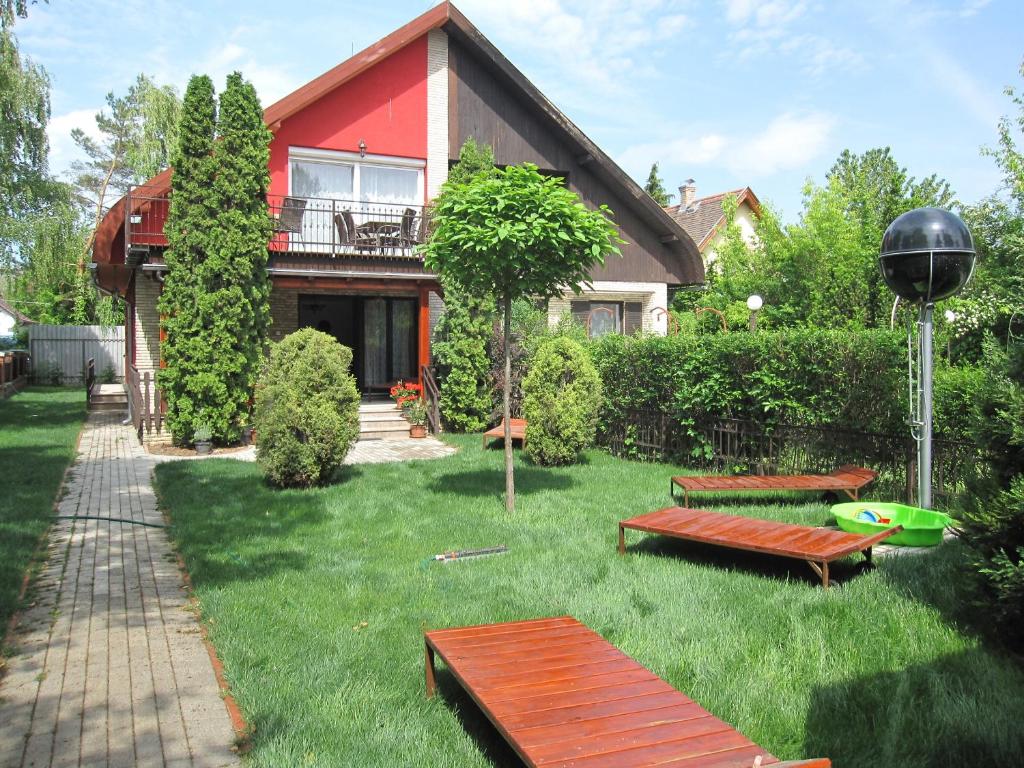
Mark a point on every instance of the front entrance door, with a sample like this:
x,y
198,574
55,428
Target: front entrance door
x,y
380,331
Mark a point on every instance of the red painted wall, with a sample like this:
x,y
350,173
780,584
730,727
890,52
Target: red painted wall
x,y
385,106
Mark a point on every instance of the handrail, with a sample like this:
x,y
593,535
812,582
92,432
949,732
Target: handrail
x,y
134,399
90,378
432,394
146,402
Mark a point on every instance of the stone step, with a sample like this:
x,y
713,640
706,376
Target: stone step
x,y
380,435
109,398
107,405
381,417
381,407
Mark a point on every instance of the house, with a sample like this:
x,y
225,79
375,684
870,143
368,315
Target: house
x,y
9,318
704,220
356,155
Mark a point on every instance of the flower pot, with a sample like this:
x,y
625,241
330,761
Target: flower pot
x,y
247,435
203,447
418,430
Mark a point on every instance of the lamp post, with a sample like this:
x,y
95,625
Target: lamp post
x,y
754,304
927,254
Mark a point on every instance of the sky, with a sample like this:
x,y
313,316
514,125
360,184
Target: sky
x,y
731,93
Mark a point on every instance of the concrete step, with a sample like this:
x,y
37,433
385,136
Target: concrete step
x,y
404,435
109,398
381,407
108,406
381,418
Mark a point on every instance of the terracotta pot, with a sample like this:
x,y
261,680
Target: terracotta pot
x,y
418,430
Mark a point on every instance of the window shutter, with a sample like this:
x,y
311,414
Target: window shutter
x,y
580,311
633,321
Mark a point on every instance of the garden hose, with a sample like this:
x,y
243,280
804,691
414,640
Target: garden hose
x,y
111,520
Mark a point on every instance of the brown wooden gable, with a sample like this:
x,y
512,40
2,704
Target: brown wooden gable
x,y
487,104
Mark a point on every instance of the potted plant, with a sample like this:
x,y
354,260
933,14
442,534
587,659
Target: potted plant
x,y
416,413
202,439
404,394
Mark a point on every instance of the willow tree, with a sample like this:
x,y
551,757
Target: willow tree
x,y
517,234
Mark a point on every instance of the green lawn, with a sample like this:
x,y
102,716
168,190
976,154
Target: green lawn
x,y
316,602
38,433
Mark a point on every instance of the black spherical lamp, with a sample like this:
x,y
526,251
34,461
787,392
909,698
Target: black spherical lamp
x,y
927,254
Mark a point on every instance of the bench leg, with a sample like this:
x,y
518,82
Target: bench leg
x,y
821,570
867,554
429,667
622,540
852,494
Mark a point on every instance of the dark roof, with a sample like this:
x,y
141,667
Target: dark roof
x,y
704,216
5,307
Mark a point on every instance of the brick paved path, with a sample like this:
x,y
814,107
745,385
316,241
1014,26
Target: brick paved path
x,y
110,666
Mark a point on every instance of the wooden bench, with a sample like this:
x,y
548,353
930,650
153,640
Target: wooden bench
x,y
818,546
518,429
562,695
848,478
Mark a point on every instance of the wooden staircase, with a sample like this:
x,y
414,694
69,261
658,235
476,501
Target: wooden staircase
x,y
382,420
108,397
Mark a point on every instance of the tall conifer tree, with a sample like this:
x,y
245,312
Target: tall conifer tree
x,y
185,350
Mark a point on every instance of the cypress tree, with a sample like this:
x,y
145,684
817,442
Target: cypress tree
x,y
238,292
190,220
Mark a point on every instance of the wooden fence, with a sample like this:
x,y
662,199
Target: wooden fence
x,y
733,446
60,352
14,372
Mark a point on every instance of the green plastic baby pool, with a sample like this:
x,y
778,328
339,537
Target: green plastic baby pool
x,y
921,527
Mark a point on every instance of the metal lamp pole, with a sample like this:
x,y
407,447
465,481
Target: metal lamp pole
x,y
924,438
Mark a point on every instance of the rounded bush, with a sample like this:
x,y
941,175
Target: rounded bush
x,y
561,400
307,409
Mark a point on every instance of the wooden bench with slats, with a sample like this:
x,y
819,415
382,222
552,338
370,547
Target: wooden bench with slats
x,y
848,479
561,695
516,426
818,546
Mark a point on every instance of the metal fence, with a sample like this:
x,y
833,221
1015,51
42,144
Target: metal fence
x,y
60,352
735,446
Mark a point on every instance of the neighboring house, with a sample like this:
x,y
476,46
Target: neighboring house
x,y
704,220
10,317
355,157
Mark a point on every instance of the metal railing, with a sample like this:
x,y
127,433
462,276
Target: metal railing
x,y
432,396
145,402
307,225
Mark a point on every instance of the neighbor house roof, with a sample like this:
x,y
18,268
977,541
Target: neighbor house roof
x,y
703,218
10,310
443,16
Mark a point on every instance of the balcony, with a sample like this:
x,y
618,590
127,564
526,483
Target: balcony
x,y
310,226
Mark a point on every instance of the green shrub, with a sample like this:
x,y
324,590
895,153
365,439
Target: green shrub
x,y
561,399
307,409
460,353
994,519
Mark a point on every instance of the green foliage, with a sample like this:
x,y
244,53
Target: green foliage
x,y
797,376
655,187
215,303
462,333
307,409
561,400
994,519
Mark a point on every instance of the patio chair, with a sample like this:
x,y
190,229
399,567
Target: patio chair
x,y
410,229
289,219
360,238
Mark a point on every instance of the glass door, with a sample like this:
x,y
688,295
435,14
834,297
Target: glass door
x,y
323,182
389,341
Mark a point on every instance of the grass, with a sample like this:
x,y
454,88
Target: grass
x,y
38,434
316,602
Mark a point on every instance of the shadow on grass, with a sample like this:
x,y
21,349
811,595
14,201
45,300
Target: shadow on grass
x,y
958,709
487,738
230,526
488,482
768,566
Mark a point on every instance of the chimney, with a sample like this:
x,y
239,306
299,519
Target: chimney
x,y
687,193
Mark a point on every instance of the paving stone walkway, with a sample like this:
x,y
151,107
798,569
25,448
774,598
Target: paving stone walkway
x,y
110,668
362,452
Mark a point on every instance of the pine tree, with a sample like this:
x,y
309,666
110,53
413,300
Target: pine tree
x,y
655,187
191,219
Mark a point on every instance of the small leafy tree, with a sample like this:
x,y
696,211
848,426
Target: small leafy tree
x,y
655,187
512,235
307,409
561,401
462,333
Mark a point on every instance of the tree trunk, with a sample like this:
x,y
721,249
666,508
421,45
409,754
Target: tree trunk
x,y
510,486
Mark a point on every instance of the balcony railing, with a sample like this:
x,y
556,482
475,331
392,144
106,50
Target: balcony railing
x,y
307,225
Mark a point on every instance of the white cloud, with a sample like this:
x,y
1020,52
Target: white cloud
x,y
63,150
789,142
972,7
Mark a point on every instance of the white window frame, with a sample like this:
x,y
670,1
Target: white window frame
x,y
356,161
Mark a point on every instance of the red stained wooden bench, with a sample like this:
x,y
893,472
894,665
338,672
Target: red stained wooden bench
x,y
848,478
562,695
518,428
818,546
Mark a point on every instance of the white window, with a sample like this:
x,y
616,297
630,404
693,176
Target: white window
x,y
605,317
373,188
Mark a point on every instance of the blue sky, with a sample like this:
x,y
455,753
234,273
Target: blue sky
x,y
763,93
